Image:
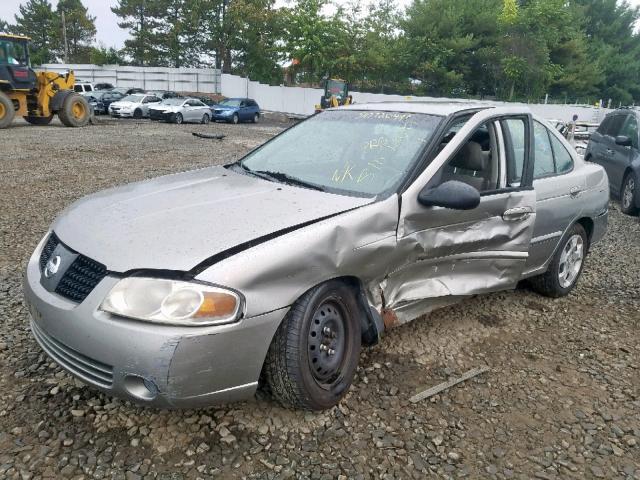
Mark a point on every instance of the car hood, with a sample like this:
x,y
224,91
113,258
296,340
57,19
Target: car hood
x,y
223,107
124,104
177,221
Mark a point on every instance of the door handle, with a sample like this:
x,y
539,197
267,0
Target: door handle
x,y
575,191
517,214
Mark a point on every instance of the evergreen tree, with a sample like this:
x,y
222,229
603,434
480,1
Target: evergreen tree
x,y
74,22
142,18
36,19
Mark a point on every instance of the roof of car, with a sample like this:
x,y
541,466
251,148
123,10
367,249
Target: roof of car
x,y
434,107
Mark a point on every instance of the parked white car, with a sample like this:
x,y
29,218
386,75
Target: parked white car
x,y
135,106
179,110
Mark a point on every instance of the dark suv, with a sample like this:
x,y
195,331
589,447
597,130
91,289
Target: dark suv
x,y
614,145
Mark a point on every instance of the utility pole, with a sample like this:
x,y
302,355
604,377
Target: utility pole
x,y
64,36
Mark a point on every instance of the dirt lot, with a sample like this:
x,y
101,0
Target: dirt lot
x,y
562,399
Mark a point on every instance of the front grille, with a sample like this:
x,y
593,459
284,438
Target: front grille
x,y
88,369
217,112
81,277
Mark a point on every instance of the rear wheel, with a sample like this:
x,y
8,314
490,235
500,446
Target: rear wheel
x,y
39,120
205,119
629,195
314,353
75,111
137,114
7,111
565,267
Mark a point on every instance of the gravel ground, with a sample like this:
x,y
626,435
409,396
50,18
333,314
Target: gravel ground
x,y
561,399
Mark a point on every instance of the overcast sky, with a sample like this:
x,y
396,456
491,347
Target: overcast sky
x,y
108,32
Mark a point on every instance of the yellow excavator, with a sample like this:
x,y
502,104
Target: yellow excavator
x,y
36,96
336,94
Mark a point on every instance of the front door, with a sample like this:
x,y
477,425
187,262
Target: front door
x,y
623,156
457,253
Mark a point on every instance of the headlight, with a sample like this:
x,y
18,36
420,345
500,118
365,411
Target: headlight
x,y
227,112
172,302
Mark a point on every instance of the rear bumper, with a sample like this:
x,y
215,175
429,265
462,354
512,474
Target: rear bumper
x,y
156,365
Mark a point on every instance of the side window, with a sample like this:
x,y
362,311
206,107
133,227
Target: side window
x,y
89,88
604,126
513,132
543,161
564,162
615,126
630,129
476,162
77,88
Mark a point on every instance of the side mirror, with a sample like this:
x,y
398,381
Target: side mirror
x,y
623,140
452,194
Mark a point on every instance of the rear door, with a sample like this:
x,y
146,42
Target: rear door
x,y
559,190
608,150
457,253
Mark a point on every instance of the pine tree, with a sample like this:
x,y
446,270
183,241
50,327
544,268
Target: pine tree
x,y
37,20
143,19
74,22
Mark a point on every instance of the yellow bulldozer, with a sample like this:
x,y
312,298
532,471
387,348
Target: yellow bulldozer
x,y
36,96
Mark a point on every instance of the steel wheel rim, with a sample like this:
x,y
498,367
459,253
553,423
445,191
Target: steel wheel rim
x,y
571,260
627,194
205,119
326,343
178,119
256,118
78,110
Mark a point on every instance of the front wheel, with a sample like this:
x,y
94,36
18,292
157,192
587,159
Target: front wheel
x,y
235,119
566,265
137,114
256,118
75,111
7,111
628,198
205,119
314,354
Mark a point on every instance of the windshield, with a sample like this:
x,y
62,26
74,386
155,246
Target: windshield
x,y
361,153
133,98
173,101
230,102
13,53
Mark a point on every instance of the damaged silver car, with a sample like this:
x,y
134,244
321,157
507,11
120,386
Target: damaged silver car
x,y
191,289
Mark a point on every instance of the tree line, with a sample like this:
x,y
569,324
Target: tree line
x,y
504,49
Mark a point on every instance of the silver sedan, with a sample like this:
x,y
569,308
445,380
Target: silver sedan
x,y
185,290
180,110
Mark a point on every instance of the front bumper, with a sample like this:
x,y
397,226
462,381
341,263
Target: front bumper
x,y
120,113
157,365
162,116
219,116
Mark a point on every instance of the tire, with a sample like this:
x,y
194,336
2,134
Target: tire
x,y
566,265
75,111
39,120
300,369
178,118
137,114
235,119
7,111
256,118
629,194
205,119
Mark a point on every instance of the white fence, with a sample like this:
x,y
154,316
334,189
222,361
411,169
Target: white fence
x,y
291,100
149,78
302,101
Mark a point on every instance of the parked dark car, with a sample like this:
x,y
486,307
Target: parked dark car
x,y
164,94
614,145
235,110
127,90
103,86
102,99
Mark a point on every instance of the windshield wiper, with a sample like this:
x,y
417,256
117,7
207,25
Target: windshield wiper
x,y
280,177
285,178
